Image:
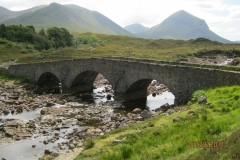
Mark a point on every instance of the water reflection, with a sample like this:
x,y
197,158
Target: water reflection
x,y
155,102
25,115
150,103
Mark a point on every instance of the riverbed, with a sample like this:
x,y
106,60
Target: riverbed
x,y
33,125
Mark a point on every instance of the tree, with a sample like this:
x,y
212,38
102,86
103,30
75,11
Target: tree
x,y
42,32
32,28
60,36
2,31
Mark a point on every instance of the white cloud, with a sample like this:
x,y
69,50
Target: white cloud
x,y
215,29
220,15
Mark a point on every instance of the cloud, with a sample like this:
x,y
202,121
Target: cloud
x,y
220,15
215,29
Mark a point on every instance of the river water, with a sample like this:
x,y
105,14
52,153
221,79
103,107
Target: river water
x,y
24,150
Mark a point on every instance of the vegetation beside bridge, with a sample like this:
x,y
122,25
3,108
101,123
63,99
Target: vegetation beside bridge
x,y
99,45
161,138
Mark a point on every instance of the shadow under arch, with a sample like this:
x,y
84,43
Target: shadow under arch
x,y
148,94
83,82
137,90
49,83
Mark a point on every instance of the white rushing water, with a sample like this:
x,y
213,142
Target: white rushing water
x,y
99,96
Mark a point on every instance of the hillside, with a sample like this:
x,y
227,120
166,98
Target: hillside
x,y
6,14
71,17
115,45
190,132
136,28
182,25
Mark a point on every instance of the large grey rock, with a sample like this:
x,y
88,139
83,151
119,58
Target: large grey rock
x,y
165,107
71,146
202,99
177,119
116,141
54,154
145,114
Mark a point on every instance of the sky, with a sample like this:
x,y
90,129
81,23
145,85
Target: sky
x,y
222,16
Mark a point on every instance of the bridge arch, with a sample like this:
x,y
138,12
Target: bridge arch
x,y
144,87
84,81
49,82
138,89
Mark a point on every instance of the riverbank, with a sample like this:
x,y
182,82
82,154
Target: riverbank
x,y
205,130
34,125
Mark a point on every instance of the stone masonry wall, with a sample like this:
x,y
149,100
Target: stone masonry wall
x,y
122,73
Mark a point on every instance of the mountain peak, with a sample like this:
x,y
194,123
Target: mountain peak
x,y
54,4
136,28
182,25
71,17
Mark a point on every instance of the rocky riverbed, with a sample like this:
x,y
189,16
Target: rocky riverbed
x,y
54,124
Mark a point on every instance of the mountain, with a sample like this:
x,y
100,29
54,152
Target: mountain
x,y
136,28
6,14
71,17
182,25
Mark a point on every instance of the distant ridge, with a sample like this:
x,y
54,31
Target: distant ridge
x,y
71,17
182,25
136,28
6,14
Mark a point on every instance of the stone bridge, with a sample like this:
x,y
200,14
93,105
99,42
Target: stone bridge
x,y
129,77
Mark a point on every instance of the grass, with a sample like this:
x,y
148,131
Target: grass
x,y
11,51
161,138
123,46
6,78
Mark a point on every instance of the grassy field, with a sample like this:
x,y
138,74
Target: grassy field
x,y
6,78
112,45
193,137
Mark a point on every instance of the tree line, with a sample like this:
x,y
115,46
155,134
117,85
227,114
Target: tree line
x,y
43,40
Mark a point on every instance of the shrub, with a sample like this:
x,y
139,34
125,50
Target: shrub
x,y
225,109
204,117
24,51
196,95
3,41
89,144
9,44
126,152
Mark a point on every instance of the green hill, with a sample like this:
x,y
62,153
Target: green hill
x,y
6,14
182,25
71,17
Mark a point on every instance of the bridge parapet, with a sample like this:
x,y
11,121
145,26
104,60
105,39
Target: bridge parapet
x,y
181,79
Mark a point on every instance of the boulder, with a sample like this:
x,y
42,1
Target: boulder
x,y
54,154
165,107
137,111
170,111
10,131
116,141
50,104
13,123
47,151
145,114
108,97
117,124
71,146
202,99
177,119
6,112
